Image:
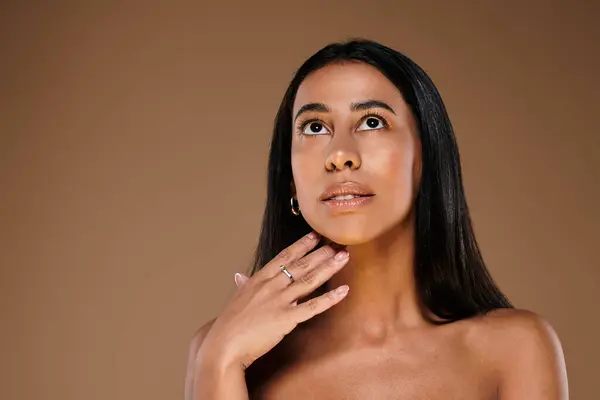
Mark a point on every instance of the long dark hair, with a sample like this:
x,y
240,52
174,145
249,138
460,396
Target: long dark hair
x,y
451,277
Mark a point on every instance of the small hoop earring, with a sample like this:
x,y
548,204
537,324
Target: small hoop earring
x,y
296,213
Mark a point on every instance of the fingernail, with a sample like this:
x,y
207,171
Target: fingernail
x,y
342,289
238,279
312,235
341,255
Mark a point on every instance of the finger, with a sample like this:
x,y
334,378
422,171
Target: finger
x,y
240,279
304,265
293,252
307,283
317,305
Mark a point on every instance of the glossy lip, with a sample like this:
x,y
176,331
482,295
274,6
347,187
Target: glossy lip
x,y
348,205
344,188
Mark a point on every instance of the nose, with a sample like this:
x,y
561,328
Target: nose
x,y
342,155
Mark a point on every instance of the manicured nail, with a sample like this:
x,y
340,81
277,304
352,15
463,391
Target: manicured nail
x,y
341,255
312,235
238,279
342,289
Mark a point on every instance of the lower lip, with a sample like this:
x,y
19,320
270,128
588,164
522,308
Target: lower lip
x,y
348,205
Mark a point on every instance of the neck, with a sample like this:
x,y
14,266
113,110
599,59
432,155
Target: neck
x,y
382,299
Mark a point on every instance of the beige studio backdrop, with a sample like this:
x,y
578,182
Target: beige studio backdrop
x,y
133,150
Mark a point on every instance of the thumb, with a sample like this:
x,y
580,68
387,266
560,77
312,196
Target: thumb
x,y
240,279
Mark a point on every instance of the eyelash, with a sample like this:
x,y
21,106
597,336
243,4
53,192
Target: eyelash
x,y
367,114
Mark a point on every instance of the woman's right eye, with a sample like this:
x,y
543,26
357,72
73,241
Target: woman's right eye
x,y
314,128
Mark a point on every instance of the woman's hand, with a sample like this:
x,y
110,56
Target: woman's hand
x,y
265,307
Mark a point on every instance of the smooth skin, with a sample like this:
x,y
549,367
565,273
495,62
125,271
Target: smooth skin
x,y
374,342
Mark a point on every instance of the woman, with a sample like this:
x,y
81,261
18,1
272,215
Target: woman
x,y
367,281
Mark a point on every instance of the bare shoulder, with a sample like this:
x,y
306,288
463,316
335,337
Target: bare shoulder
x,y
200,334
522,343
511,318
194,346
518,327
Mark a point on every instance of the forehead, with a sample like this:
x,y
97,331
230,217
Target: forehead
x,y
338,85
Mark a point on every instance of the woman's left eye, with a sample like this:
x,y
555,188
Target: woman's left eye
x,y
371,123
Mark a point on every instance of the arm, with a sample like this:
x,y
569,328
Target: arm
x,y
533,365
258,316
208,377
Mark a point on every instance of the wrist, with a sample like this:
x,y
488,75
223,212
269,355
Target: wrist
x,y
218,377
216,358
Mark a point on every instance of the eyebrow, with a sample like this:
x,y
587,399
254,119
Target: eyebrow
x,y
355,106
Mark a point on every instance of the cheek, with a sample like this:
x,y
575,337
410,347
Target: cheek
x,y
305,169
396,167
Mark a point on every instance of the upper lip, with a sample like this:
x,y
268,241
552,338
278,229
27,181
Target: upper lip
x,y
344,188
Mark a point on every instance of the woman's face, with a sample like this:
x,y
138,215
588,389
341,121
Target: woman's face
x,y
351,124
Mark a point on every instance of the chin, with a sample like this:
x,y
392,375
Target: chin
x,y
344,239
